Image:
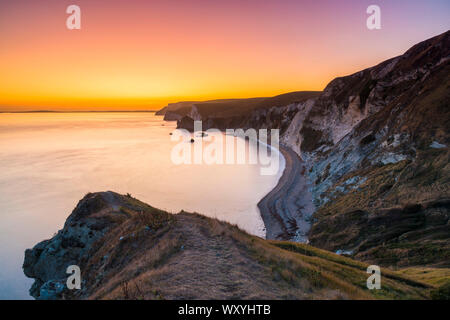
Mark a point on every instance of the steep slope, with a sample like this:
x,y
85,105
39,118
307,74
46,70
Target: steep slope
x,y
129,250
376,144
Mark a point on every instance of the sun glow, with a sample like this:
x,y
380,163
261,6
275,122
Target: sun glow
x,y
148,53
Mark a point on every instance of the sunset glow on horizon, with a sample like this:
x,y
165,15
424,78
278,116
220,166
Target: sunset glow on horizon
x,y
141,55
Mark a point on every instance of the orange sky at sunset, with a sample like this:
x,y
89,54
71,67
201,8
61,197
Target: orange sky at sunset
x,y
148,53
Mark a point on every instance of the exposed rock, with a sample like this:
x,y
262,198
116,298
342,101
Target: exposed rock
x,y
48,260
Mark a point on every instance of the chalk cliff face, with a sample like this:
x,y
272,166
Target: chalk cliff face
x,y
376,144
380,115
373,141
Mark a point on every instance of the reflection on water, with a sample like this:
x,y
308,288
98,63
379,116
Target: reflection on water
x,y
49,161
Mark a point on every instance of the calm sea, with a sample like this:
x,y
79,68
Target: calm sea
x,y
49,161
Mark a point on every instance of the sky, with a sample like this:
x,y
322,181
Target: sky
x,y
140,55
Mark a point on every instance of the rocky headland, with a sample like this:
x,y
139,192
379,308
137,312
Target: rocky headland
x,y
127,249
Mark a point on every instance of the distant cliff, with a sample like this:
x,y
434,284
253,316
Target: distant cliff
x,y
127,249
376,147
239,113
175,111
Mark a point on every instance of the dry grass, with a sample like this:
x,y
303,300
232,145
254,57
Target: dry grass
x,y
323,269
433,276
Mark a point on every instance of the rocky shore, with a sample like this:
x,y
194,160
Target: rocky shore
x,y
287,209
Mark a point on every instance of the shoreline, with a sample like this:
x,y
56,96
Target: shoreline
x,y
287,208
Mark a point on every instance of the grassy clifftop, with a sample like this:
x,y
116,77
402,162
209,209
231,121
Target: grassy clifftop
x,y
127,249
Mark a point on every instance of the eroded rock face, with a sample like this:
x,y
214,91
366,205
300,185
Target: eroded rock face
x,y
380,125
48,260
373,117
